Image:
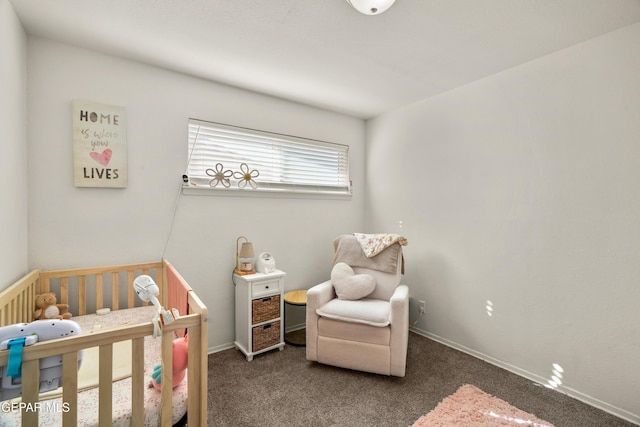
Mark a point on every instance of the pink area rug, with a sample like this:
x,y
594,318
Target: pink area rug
x,y
470,406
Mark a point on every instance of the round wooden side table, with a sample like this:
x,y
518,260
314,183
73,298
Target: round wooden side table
x,y
297,337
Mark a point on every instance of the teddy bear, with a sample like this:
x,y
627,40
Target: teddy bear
x,y
46,308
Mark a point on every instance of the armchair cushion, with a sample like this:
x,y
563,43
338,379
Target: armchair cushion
x,y
368,311
351,286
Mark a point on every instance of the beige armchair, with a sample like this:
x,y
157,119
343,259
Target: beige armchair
x,y
368,334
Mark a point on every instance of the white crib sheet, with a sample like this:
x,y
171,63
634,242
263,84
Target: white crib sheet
x,y
50,415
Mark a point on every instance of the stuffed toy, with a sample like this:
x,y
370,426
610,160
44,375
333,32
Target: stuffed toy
x,y
180,350
46,308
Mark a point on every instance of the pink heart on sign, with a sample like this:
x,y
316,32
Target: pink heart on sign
x,y
103,158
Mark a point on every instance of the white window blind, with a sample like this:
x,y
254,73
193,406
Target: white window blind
x,y
231,158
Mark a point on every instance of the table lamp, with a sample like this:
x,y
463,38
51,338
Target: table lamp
x,y
244,257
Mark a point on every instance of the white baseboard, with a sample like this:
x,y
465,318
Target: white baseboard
x,y
295,328
222,347
589,400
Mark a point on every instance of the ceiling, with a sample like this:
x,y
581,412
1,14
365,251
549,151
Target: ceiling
x,y
324,53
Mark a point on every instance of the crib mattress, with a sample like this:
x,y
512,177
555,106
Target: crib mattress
x,y
121,402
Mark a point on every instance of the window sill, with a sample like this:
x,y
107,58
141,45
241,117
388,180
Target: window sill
x,y
286,194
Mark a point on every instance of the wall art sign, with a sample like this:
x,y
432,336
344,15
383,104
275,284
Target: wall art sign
x,y
99,145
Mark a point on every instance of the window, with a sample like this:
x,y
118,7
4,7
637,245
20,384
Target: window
x,y
235,159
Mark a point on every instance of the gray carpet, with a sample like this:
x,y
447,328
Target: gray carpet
x,y
281,388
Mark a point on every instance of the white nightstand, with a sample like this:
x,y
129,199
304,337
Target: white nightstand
x,y
259,312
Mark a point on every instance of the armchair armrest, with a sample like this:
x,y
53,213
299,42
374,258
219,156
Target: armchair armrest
x,y
399,329
320,294
317,296
400,305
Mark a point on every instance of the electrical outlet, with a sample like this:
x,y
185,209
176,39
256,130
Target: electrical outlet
x,y
421,307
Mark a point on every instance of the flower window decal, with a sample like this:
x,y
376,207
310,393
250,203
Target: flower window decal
x,y
220,176
245,176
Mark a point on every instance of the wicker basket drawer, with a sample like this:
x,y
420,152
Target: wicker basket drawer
x,y
263,309
266,335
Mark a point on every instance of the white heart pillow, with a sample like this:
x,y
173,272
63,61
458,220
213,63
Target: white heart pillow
x,y
351,286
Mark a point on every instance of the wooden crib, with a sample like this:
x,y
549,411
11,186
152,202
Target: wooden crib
x,y
86,291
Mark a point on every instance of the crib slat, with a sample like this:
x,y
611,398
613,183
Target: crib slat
x,y
137,382
194,378
44,285
105,376
14,310
99,293
28,305
130,296
30,389
64,290
70,389
167,377
115,291
23,303
18,308
30,299
82,295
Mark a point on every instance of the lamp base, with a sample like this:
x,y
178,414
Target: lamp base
x,y
243,273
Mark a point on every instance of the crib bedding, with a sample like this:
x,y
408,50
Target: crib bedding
x,y
88,399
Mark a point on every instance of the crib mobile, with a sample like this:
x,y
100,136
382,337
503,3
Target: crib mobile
x,y
148,291
15,337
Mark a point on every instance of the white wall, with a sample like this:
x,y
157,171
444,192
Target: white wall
x,y
523,189
13,139
74,227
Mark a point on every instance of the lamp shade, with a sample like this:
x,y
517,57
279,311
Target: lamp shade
x,y
246,250
371,7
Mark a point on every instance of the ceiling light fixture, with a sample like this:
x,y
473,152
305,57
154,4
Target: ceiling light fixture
x,y
371,7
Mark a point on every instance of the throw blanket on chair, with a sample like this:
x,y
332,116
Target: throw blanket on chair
x,y
373,244
348,250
